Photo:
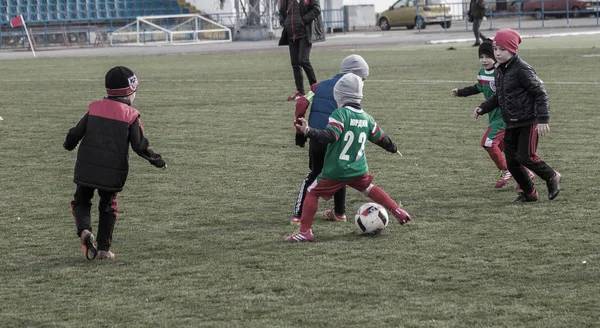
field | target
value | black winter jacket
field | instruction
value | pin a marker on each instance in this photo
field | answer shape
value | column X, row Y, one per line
column 520, row 95
column 107, row 129
column 307, row 19
column 294, row 24
column 477, row 9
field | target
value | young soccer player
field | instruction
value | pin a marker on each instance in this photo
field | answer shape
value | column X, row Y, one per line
column 524, row 105
column 323, row 104
column 493, row 138
column 105, row 132
column 345, row 164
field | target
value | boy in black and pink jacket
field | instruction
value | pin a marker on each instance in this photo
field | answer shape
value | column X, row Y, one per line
column 106, row 131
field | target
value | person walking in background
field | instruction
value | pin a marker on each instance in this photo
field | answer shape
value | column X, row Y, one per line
column 301, row 22
column 322, row 103
column 106, row 131
column 476, row 14
column 523, row 103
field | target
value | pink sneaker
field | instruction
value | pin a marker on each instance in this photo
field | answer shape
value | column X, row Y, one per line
column 295, row 221
column 330, row 216
column 301, row 237
column 531, row 176
column 106, row 255
column 402, row 216
column 504, row 177
column 295, row 96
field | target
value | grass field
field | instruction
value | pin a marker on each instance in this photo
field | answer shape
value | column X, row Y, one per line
column 201, row 244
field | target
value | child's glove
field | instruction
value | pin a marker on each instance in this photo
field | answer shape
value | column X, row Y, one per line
column 301, row 106
column 300, row 139
column 68, row 146
column 158, row 162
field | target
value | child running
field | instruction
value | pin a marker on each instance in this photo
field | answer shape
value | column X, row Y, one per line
column 322, row 103
column 524, row 105
column 345, row 162
column 493, row 138
column 104, row 134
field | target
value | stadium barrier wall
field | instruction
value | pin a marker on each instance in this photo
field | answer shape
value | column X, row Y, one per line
column 81, row 25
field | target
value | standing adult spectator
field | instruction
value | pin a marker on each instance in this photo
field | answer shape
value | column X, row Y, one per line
column 476, row 13
column 301, row 21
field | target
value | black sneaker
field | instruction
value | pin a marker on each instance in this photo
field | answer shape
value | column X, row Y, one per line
column 477, row 44
column 554, row 185
column 524, row 197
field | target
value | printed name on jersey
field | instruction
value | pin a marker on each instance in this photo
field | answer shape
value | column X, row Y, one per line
column 359, row 123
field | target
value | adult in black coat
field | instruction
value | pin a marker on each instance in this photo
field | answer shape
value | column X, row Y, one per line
column 302, row 26
column 476, row 13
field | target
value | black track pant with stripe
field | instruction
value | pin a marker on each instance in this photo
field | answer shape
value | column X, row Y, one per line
column 81, row 207
column 520, row 146
column 317, row 152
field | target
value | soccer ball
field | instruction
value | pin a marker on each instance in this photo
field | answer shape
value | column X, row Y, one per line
column 371, row 219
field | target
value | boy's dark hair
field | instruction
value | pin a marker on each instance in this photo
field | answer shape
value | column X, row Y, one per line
column 487, row 48
column 120, row 81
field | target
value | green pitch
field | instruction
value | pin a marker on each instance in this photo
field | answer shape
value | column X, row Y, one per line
column 201, row 244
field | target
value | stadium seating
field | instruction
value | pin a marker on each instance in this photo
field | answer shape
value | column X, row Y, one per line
column 56, row 11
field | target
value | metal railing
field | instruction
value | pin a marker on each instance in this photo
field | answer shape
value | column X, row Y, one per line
column 334, row 19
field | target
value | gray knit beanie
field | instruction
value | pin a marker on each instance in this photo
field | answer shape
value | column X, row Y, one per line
column 348, row 89
column 355, row 64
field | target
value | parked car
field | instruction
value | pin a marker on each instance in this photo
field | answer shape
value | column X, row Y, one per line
column 576, row 8
column 404, row 13
column 511, row 6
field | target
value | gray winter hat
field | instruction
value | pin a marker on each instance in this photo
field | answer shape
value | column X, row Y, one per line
column 355, row 64
column 348, row 89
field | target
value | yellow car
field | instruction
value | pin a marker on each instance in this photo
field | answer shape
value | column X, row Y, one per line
column 404, row 13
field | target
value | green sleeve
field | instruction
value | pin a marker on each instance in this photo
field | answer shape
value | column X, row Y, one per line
column 375, row 132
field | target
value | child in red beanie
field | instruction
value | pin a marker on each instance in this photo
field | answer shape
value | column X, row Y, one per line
column 524, row 105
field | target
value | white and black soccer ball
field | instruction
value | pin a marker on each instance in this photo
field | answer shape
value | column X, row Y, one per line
column 371, row 219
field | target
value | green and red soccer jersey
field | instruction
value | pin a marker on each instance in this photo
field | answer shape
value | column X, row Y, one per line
column 345, row 158
column 487, row 85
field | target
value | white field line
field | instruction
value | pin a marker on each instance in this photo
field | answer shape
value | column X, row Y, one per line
column 525, row 36
column 473, row 81
column 280, row 81
column 354, row 36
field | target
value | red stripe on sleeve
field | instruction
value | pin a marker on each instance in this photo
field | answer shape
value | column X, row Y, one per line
column 376, row 130
column 336, row 125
